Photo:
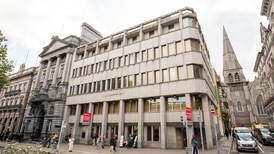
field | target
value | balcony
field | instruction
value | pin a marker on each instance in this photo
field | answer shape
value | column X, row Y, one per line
column 12, row 93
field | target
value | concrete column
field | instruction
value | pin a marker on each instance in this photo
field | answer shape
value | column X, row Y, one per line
column 207, row 122
column 140, row 122
column 189, row 127
column 66, row 72
column 124, row 39
column 121, row 119
column 163, row 122
column 47, row 74
column 56, row 71
column 90, row 110
column 159, row 26
column 66, row 118
column 36, row 86
column 104, row 119
column 181, row 20
column 141, row 32
column 75, row 131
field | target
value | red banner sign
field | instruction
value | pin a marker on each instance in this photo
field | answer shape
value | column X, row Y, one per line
column 87, row 117
column 188, row 114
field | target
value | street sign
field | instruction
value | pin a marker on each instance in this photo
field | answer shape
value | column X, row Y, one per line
column 188, row 113
column 87, row 117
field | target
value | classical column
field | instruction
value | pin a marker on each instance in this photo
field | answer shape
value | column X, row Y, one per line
column 104, row 119
column 55, row 75
column 47, row 74
column 66, row 118
column 163, row 122
column 189, row 128
column 207, row 122
column 38, row 77
column 121, row 119
column 75, row 132
column 140, row 122
column 90, row 110
column 65, row 75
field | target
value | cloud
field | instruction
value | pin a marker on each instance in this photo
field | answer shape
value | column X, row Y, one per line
column 30, row 24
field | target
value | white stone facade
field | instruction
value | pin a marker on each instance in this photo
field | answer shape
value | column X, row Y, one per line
column 139, row 81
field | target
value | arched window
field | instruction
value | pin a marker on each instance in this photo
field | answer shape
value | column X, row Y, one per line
column 239, row 106
column 259, row 105
column 237, row 77
column 230, row 77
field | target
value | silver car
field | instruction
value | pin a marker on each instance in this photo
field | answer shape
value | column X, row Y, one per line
column 246, row 142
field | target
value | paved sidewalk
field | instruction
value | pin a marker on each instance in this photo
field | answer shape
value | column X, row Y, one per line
column 88, row 149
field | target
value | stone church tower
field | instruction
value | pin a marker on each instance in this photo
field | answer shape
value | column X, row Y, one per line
column 236, row 87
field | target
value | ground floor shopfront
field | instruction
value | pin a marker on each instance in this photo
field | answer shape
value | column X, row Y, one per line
column 156, row 121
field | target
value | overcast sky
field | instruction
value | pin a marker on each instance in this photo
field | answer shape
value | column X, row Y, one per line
column 30, row 24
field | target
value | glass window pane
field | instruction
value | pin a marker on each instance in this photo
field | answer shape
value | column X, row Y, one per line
column 171, row 49
column 181, row 72
column 137, row 80
column 150, row 77
column 138, row 58
column 164, row 51
column 165, row 75
column 195, row 45
column 150, row 54
column 147, row 104
column 125, row 82
column 157, row 52
column 157, row 76
column 144, row 55
column 126, row 60
column 149, row 136
column 119, row 82
column 144, row 79
column 121, row 62
column 131, row 81
column 173, row 74
column 179, row 47
column 197, row 70
column 190, row 71
column 188, row 45
column 156, row 133
column 132, row 58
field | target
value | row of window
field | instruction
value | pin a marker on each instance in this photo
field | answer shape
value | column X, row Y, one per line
column 173, row 104
column 137, row 57
column 20, row 86
column 12, row 101
column 51, row 73
column 145, row 78
column 187, row 22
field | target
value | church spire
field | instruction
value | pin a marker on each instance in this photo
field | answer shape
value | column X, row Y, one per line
column 230, row 61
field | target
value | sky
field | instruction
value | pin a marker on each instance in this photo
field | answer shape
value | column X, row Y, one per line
column 29, row 25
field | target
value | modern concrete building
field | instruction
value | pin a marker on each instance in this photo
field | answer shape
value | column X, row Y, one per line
column 14, row 98
column 45, row 110
column 263, row 85
column 236, row 87
column 139, row 81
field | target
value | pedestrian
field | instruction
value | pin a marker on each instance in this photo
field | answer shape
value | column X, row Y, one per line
column 194, row 143
column 54, row 139
column 111, row 143
column 103, row 142
column 71, row 141
column 227, row 134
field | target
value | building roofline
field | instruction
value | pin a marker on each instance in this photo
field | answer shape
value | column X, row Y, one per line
column 258, row 58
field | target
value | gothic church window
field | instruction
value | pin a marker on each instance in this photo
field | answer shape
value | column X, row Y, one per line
column 237, row 77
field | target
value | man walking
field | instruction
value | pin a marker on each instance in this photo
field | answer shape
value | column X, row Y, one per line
column 194, row 143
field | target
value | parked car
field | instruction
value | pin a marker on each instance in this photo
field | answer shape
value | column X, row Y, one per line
column 246, row 142
column 241, row 130
column 264, row 136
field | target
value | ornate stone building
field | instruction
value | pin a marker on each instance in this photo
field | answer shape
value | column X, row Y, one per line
column 14, row 98
column 140, row 80
column 45, row 110
column 263, row 85
column 236, row 87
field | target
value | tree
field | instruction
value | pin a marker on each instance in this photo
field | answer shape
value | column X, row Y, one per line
column 5, row 65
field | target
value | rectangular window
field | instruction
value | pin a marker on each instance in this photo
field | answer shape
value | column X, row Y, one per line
column 121, row 62
column 190, row 73
column 164, row 51
column 152, row 105
column 90, row 87
column 72, row 110
column 108, row 84
column 196, row 102
column 181, row 72
column 119, row 85
column 171, row 49
column 92, row 68
column 157, row 52
column 137, row 57
column 110, row 64
column 151, row 79
column 98, row 108
column 144, row 78
column 157, row 76
column 130, row 80
column 137, row 80
column 165, row 75
column 149, row 133
column 103, row 85
column 198, row 71
column 113, row 83
column 192, row 45
column 126, row 60
column 102, row 66
column 94, row 87
column 113, row 107
column 156, row 133
column 179, row 47
column 105, row 64
column 98, row 86
column 132, row 58
column 125, row 82
column 131, row 106
column 150, row 54
column 175, row 104
column 144, row 55
column 173, row 74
